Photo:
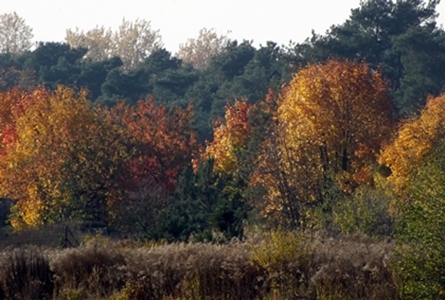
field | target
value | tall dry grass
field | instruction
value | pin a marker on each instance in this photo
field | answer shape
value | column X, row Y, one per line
column 354, row 268
column 274, row 266
column 191, row 271
column 25, row 274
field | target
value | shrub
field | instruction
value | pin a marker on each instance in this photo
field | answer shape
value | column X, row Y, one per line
column 366, row 212
column 420, row 260
column 417, row 161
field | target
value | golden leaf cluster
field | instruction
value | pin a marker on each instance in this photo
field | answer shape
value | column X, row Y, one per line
column 230, row 137
column 414, row 143
column 330, row 124
column 63, row 158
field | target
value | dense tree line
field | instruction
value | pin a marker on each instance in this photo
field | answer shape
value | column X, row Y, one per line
column 398, row 39
column 401, row 39
column 342, row 133
column 239, row 72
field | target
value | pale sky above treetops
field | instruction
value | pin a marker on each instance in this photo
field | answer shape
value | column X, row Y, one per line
column 177, row 20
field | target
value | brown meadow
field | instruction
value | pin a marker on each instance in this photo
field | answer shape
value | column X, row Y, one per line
column 277, row 265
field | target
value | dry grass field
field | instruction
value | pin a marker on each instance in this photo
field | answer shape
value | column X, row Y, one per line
column 277, row 265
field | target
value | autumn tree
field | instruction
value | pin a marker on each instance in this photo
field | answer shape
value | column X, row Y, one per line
column 237, row 138
column 15, row 35
column 63, row 161
column 161, row 138
column 11, row 105
column 199, row 51
column 414, row 144
column 218, row 191
column 329, row 127
column 230, row 137
column 98, row 41
column 401, row 37
column 162, row 143
column 133, row 42
column 341, row 108
column 232, row 155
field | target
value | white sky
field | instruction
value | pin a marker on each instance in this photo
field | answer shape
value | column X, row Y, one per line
column 258, row 20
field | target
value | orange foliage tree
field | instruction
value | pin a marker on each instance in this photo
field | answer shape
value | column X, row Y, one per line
column 162, row 142
column 230, row 137
column 63, row 160
column 161, row 139
column 414, row 144
column 331, row 121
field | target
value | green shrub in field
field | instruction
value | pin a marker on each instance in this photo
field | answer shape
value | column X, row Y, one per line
column 365, row 212
column 73, row 294
column 420, row 262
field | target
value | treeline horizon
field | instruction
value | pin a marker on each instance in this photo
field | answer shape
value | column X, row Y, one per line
column 401, row 39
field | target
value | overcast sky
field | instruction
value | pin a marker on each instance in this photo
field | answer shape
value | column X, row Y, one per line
column 258, row 20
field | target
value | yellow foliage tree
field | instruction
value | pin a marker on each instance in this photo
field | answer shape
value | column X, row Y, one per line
column 64, row 159
column 230, row 137
column 415, row 142
column 331, row 121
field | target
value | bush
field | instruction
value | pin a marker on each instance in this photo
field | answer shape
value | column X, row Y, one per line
column 366, row 212
column 420, row 262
